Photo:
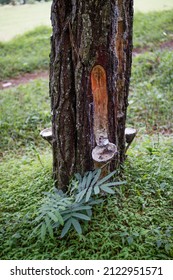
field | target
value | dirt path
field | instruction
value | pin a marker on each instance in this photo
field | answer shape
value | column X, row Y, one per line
column 165, row 45
column 25, row 78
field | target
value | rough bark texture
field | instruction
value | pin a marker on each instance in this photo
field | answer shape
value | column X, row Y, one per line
column 87, row 34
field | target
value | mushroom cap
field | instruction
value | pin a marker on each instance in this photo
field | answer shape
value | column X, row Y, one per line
column 104, row 153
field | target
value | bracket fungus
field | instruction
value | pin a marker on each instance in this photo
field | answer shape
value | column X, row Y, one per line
column 130, row 134
column 46, row 134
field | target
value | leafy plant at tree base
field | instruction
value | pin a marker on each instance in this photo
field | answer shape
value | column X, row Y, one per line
column 70, row 209
column 89, row 184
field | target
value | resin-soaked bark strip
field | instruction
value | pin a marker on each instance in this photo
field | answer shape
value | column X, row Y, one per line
column 100, row 97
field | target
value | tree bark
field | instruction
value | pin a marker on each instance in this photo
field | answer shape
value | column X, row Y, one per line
column 91, row 52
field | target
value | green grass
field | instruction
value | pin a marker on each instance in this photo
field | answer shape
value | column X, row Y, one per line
column 136, row 223
column 16, row 20
column 30, row 52
column 133, row 224
column 25, row 112
column 153, row 28
column 151, row 96
column 25, row 53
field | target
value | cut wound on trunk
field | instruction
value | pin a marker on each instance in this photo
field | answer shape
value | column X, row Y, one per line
column 100, row 98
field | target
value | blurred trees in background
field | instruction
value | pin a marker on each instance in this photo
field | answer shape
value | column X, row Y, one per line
column 21, row 2
column 4, row 2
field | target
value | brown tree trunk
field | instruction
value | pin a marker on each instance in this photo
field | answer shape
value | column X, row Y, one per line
column 91, row 50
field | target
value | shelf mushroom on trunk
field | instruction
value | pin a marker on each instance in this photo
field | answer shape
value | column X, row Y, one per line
column 46, row 134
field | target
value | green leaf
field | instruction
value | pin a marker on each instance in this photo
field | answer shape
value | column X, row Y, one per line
column 45, row 208
column 49, row 226
column 59, row 217
column 38, row 218
column 159, row 243
column 80, row 195
column 78, row 177
column 66, row 227
column 89, row 212
column 53, row 217
column 111, row 184
column 83, row 183
column 167, row 247
column 107, row 189
column 96, row 171
column 120, row 183
column 96, row 190
column 81, row 208
column 35, row 231
column 67, row 216
column 130, row 240
column 106, row 178
column 81, row 216
column 76, row 225
column 43, row 231
column 89, row 179
column 96, row 175
column 88, row 195
column 96, row 202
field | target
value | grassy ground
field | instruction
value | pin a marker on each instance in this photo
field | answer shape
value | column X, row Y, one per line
column 31, row 50
column 25, row 53
column 153, row 28
column 136, row 223
column 24, row 120
column 15, row 20
column 151, row 91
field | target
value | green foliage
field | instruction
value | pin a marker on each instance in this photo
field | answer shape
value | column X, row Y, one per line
column 152, row 28
column 5, row 2
column 22, row 18
column 89, row 185
column 30, row 51
column 136, row 223
column 133, row 224
column 25, row 53
column 151, row 96
column 25, row 112
column 59, row 209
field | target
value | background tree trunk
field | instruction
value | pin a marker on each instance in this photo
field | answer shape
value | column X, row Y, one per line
column 88, row 34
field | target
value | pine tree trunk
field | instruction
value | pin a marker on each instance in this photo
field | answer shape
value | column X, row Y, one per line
column 90, row 65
